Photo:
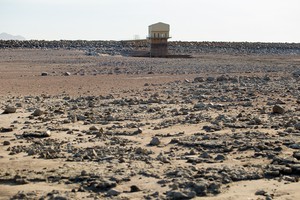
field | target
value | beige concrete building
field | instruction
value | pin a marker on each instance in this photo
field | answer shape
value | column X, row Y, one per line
column 158, row 36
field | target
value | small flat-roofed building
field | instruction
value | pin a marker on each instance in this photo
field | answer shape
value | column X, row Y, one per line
column 158, row 36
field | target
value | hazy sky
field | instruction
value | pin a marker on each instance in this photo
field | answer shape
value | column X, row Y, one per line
column 197, row 20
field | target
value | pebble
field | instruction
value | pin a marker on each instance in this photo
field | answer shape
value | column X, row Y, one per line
column 44, row 74
column 155, row 141
column 67, row 74
column 9, row 110
column 38, row 112
column 113, row 192
column 93, row 128
column 261, row 192
column 37, row 134
column 277, row 109
column 220, row 157
column 297, row 126
column 5, row 130
column 296, row 155
column 134, row 188
column 199, row 79
column 177, row 195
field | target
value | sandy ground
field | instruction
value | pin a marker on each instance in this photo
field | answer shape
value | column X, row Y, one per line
column 145, row 93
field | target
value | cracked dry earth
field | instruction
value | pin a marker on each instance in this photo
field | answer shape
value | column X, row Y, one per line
column 215, row 127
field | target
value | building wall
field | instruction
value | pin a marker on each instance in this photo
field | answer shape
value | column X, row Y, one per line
column 159, row 47
column 158, row 34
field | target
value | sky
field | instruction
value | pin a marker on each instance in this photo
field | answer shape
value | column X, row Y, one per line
column 190, row 20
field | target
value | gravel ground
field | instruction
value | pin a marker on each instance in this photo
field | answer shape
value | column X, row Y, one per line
column 222, row 125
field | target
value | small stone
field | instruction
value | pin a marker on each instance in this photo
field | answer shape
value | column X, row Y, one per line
column 138, row 131
column 113, row 192
column 200, row 106
column 210, row 79
column 204, row 155
column 200, row 188
column 279, row 101
column 220, row 157
column 278, row 109
column 140, row 150
column 269, row 197
column 44, row 74
column 222, row 78
column 177, row 195
column 37, row 134
column 9, row 110
column 134, row 188
column 67, row 74
column 5, row 130
column 84, row 173
column 19, row 105
column 155, row 141
column 198, row 79
column 5, row 143
column 296, row 155
column 31, row 152
column 295, row 146
column 38, row 112
column 93, row 128
column 296, row 73
column 260, row 192
column 47, row 133
column 297, row 126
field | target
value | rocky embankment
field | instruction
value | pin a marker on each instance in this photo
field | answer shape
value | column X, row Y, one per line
column 175, row 47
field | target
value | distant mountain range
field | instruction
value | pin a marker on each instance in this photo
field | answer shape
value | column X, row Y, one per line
column 6, row 36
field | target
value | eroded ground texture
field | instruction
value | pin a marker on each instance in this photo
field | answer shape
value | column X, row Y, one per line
column 85, row 123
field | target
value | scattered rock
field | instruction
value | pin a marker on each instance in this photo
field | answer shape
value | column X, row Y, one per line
column 67, row 74
column 261, row 192
column 113, row 192
column 38, row 112
column 37, row 134
column 296, row 155
column 176, row 195
column 155, row 141
column 278, row 109
column 297, row 126
column 6, row 130
column 9, row 110
column 210, row 79
column 93, row 128
column 134, row 188
column 296, row 74
column 220, row 157
column 199, row 79
column 138, row 131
